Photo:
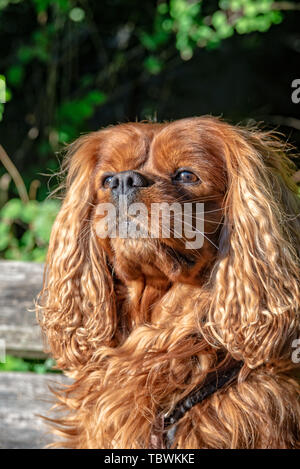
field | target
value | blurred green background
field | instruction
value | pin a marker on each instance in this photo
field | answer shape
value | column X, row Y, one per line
column 68, row 67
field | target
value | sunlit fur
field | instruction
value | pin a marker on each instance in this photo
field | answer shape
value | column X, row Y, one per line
column 135, row 343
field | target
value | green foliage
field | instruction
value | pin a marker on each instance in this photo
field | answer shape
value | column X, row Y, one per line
column 68, row 119
column 5, row 95
column 19, row 364
column 71, row 114
column 43, row 5
column 15, row 75
column 77, row 14
column 5, row 3
column 51, row 49
column 193, row 29
column 153, row 64
column 2, row 89
column 25, row 229
column 2, row 95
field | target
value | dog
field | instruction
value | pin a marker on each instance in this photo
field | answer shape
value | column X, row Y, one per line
column 173, row 343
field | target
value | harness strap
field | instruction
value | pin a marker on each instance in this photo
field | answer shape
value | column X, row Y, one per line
column 164, row 431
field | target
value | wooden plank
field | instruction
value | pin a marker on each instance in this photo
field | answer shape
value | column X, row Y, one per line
column 22, row 397
column 23, row 342
column 20, row 283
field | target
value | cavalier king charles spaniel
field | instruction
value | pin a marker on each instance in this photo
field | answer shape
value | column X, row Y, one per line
column 170, row 343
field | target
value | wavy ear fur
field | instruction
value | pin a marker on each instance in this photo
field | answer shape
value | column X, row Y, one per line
column 77, row 306
column 254, row 304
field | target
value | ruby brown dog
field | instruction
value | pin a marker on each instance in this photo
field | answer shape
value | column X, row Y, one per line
column 170, row 346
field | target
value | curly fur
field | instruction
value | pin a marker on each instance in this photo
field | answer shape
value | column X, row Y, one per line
column 137, row 342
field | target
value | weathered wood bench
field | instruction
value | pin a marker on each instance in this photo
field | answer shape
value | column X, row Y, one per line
column 20, row 283
column 22, row 395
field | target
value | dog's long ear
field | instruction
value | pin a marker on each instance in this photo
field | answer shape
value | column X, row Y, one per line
column 76, row 306
column 254, row 308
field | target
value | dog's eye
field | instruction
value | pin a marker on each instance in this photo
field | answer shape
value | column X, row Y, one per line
column 106, row 180
column 185, row 177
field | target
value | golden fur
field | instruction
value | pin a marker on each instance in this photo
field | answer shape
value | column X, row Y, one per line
column 140, row 323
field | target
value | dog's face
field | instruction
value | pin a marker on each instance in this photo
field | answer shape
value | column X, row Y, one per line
column 169, row 181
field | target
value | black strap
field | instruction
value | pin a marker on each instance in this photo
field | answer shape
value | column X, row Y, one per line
column 215, row 381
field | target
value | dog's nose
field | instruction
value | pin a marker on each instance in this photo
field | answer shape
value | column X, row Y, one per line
column 127, row 182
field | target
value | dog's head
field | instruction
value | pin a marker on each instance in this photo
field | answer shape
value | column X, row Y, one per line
column 159, row 191
column 195, row 202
